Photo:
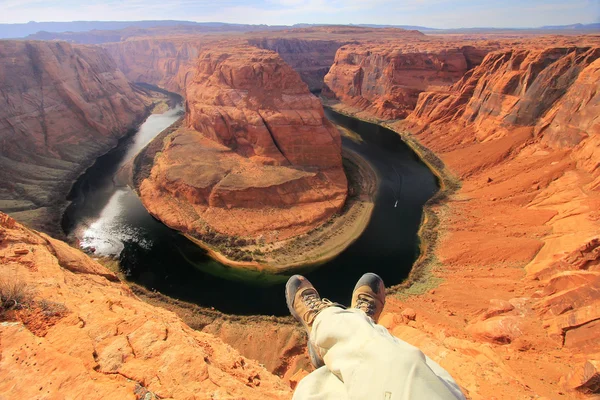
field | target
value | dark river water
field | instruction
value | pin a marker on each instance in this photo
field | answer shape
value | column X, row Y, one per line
column 110, row 218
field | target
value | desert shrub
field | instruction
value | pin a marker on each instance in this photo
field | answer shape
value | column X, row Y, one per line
column 52, row 308
column 13, row 294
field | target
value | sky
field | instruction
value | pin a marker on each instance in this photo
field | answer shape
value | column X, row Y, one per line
column 430, row 13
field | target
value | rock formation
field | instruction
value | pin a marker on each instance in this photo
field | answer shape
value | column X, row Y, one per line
column 257, row 158
column 386, row 79
column 518, row 88
column 75, row 331
column 312, row 59
column 61, row 107
column 164, row 62
column 521, row 131
column 167, row 57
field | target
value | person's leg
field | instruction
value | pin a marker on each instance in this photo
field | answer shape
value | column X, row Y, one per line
column 320, row 384
column 372, row 363
column 305, row 304
column 363, row 356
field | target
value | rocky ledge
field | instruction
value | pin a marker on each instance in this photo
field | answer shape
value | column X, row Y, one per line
column 70, row 329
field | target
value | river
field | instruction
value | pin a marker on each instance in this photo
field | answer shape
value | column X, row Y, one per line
column 108, row 217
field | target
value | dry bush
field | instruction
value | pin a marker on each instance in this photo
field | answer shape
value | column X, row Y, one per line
column 52, row 308
column 13, row 294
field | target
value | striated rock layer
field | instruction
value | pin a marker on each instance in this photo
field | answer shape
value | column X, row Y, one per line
column 164, row 62
column 77, row 332
column 169, row 60
column 522, row 132
column 518, row 133
column 61, row 106
column 386, row 79
column 312, row 59
column 257, row 158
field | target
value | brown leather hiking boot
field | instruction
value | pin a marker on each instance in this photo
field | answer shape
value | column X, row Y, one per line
column 369, row 295
column 304, row 301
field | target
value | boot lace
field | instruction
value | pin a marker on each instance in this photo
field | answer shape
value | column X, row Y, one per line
column 366, row 304
column 314, row 304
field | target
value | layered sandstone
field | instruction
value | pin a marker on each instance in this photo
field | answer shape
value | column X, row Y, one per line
column 77, row 332
column 383, row 78
column 523, row 88
column 257, row 159
column 61, row 106
column 312, row 59
column 167, row 57
column 164, row 62
column 386, row 79
column 521, row 131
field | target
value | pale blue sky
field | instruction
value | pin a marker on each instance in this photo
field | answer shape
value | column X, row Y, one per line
column 432, row 13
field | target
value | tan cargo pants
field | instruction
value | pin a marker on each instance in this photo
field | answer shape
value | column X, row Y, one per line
column 364, row 361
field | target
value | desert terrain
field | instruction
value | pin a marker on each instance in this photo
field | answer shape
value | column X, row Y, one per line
column 504, row 294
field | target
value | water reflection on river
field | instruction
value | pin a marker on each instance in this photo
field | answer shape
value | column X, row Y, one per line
column 100, row 213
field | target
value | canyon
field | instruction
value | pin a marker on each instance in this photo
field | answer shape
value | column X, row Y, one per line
column 521, row 229
column 506, row 299
column 164, row 62
column 62, row 106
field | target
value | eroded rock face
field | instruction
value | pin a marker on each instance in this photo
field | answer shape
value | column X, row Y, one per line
column 258, row 158
column 312, row 59
column 521, row 131
column 387, row 79
column 61, row 107
column 534, row 88
column 586, row 379
column 167, row 63
column 81, row 335
column 550, row 99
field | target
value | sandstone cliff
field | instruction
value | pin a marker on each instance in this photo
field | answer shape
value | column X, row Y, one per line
column 312, row 59
column 164, row 62
column 170, row 61
column 257, row 158
column 167, row 58
column 386, row 79
column 61, row 107
column 521, row 131
column 72, row 330
column 522, row 88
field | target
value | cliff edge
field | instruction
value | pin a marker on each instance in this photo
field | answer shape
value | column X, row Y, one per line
column 70, row 329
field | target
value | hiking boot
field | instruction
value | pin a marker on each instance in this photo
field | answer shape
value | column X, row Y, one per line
column 369, row 295
column 304, row 301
